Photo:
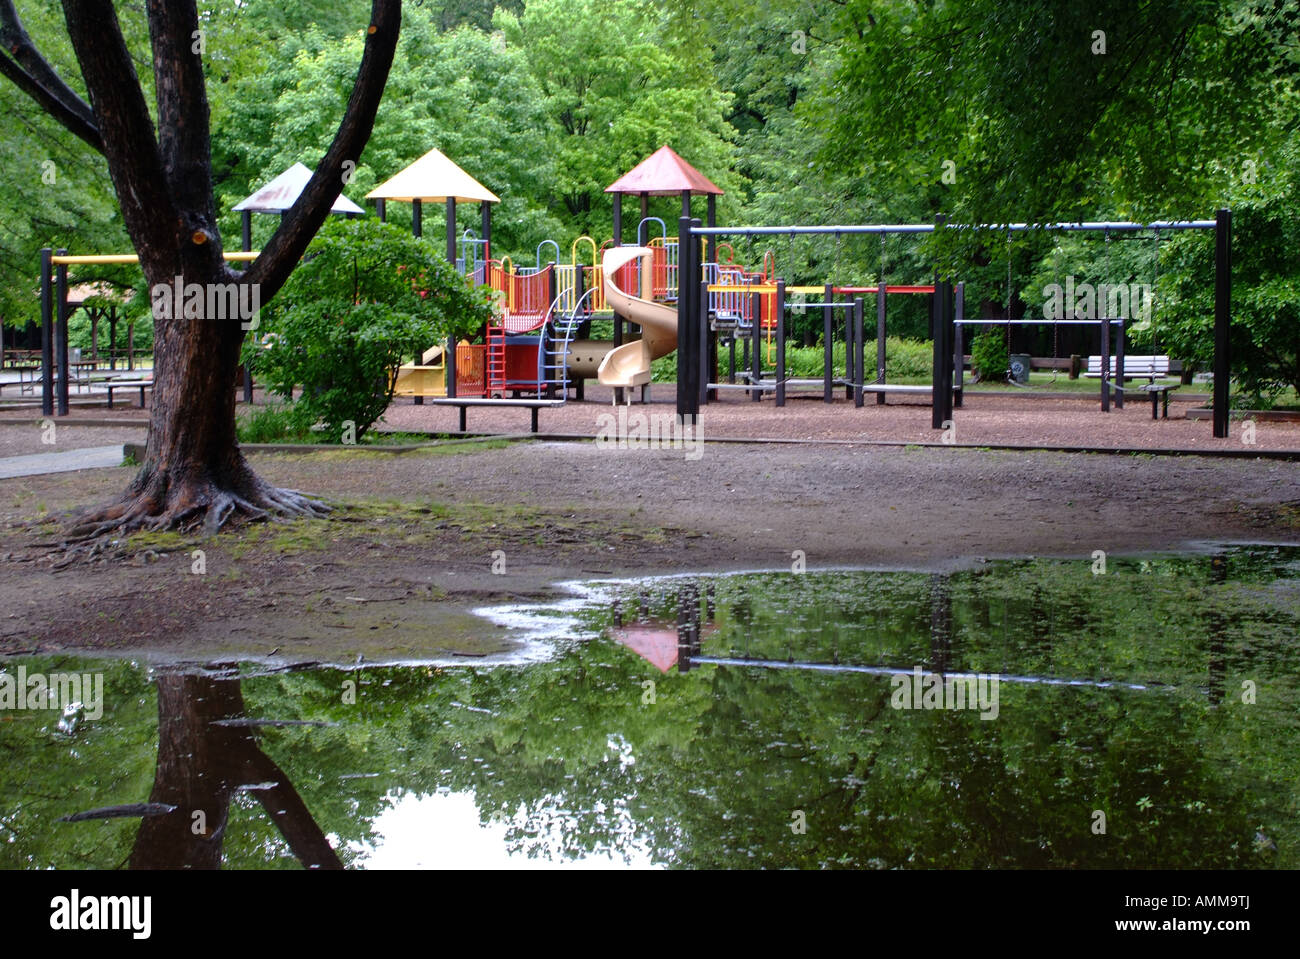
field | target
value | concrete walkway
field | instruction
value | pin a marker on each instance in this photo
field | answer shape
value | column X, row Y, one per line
column 93, row 457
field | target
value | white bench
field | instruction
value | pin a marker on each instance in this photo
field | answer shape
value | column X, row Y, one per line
column 1148, row 366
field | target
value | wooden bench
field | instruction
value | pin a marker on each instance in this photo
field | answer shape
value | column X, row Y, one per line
column 1134, row 366
column 464, row 403
column 117, row 384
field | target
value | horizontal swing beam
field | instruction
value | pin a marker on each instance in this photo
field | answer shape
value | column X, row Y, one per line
column 888, row 289
column 771, row 288
column 1038, row 322
column 1120, row 226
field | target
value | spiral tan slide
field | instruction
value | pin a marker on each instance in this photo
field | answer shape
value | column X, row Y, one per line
column 629, row 364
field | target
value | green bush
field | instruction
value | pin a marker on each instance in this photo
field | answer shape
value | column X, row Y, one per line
column 277, row 423
column 904, row 360
column 367, row 296
column 989, row 360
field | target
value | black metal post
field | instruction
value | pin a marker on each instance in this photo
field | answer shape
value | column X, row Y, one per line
column 828, row 296
column 880, row 338
column 618, row 219
column 417, row 221
column 451, row 229
column 381, row 207
column 47, row 334
column 1105, row 366
column 958, row 350
column 1222, row 318
column 780, row 336
column 687, row 318
column 706, row 355
column 939, row 380
column 61, row 333
column 246, row 229
column 485, row 216
column 860, row 347
column 712, row 214
column 850, row 351
column 449, row 349
column 1119, row 365
column 756, row 333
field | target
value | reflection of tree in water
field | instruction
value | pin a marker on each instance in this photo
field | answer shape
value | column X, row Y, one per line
column 202, row 764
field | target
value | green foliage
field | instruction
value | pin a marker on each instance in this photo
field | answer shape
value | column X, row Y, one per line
column 276, row 423
column 988, row 355
column 464, row 91
column 1265, row 334
column 905, row 360
column 1037, row 119
column 614, row 88
column 366, row 297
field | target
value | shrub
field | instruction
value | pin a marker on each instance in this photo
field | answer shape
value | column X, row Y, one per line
column 989, row 359
column 366, row 297
column 274, row 424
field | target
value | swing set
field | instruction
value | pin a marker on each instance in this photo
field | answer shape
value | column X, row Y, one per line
column 693, row 386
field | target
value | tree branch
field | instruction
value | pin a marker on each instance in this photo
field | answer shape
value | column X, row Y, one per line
column 287, row 246
column 124, row 122
column 22, row 63
column 183, row 116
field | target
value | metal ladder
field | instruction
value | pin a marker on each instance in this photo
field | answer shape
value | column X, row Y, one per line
column 553, row 352
column 495, row 372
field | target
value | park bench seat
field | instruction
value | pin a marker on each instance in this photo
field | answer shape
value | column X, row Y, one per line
column 118, row 384
column 464, row 403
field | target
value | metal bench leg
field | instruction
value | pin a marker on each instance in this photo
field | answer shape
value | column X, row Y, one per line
column 110, row 397
column 462, row 419
column 142, row 397
column 535, row 410
column 1155, row 402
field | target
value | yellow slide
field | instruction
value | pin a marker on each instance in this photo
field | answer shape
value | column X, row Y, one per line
column 629, row 364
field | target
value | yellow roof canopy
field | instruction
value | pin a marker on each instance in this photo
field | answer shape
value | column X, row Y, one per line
column 433, row 179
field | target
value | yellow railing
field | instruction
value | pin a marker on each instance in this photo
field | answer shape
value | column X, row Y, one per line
column 103, row 258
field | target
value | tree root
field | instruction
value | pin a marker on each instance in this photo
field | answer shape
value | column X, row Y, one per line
column 191, row 506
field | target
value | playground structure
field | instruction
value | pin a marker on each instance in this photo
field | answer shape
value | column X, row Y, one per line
column 682, row 293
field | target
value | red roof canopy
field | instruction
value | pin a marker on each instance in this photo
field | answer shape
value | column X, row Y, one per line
column 663, row 173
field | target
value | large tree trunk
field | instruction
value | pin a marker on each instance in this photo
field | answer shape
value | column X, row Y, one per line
column 193, row 471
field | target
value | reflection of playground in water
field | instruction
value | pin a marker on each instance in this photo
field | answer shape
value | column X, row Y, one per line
column 665, row 644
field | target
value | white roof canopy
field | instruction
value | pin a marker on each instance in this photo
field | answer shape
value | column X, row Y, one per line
column 433, row 178
column 282, row 192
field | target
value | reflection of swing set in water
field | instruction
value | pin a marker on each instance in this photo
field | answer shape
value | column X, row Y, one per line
column 664, row 644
